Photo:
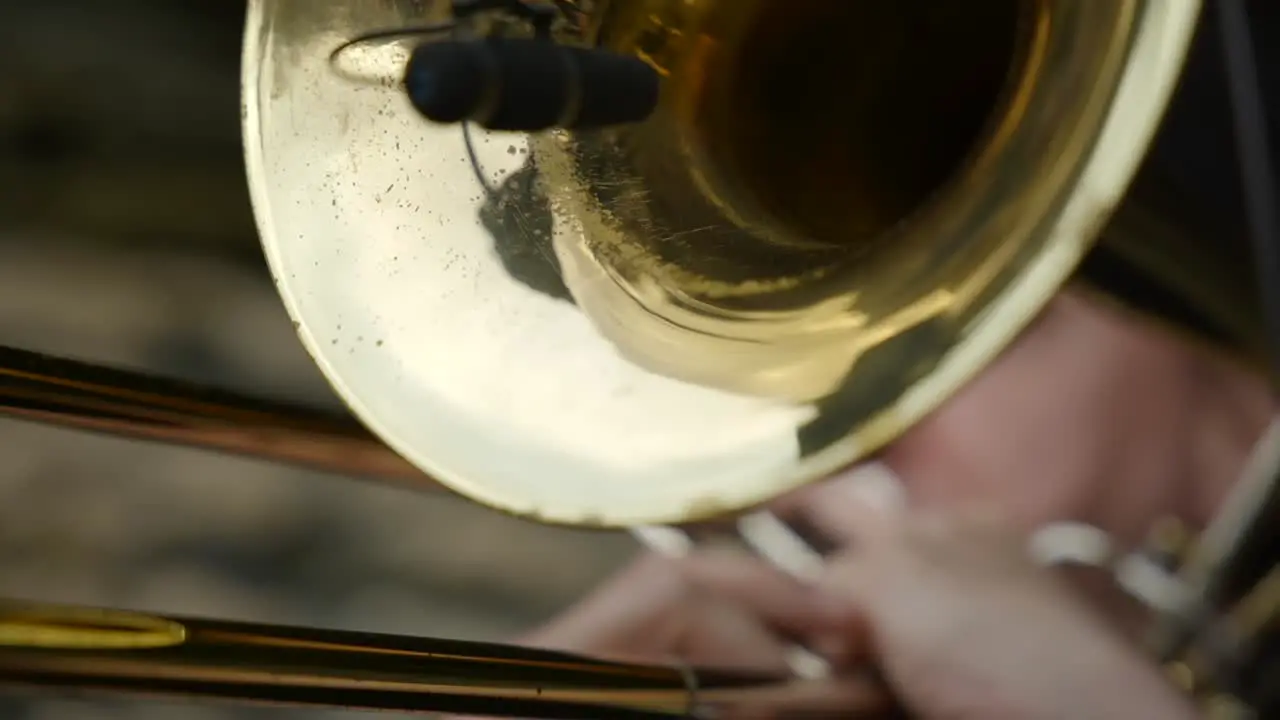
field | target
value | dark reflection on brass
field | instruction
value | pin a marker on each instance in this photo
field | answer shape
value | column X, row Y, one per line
column 916, row 100
column 518, row 218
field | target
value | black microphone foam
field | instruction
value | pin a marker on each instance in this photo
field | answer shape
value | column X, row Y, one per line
column 528, row 85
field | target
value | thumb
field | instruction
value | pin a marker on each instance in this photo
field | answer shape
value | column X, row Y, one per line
column 860, row 506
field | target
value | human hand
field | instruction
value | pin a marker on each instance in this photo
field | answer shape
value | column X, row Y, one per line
column 1089, row 417
column 964, row 624
column 1095, row 416
column 719, row 609
column 951, row 610
column 716, row 607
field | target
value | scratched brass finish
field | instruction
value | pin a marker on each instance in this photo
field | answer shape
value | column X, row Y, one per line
column 840, row 212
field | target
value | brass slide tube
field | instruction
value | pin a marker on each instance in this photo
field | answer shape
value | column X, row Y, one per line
column 73, row 648
column 68, row 648
column 76, row 394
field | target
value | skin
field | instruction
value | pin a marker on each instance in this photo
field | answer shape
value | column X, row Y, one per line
column 927, row 598
column 1092, row 416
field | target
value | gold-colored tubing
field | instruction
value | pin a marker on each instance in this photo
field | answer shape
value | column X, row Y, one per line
column 80, row 395
column 39, row 387
column 65, row 647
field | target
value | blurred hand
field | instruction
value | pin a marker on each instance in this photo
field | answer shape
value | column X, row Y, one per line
column 963, row 623
column 1091, row 416
column 950, row 609
column 716, row 607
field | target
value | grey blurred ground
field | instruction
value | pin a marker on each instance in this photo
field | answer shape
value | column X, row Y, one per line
column 125, row 237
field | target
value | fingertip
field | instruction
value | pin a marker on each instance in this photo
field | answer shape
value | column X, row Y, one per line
column 875, row 485
column 779, row 600
column 857, row 504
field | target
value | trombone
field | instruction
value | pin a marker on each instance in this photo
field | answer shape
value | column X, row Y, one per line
column 44, row 646
column 677, row 319
column 65, row 648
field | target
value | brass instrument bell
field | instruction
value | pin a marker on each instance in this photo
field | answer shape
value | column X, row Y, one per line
column 837, row 215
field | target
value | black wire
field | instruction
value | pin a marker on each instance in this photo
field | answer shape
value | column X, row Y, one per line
column 1254, row 155
column 464, row 10
column 542, row 27
column 1252, row 552
column 489, row 190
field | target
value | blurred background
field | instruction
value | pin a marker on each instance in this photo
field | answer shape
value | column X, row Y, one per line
column 126, row 237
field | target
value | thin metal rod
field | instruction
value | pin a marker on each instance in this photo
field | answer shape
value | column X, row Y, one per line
column 1225, row 561
column 39, row 387
column 1253, row 154
column 62, row 647
column 1235, row 551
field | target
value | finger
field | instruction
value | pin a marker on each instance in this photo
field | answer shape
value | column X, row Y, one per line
column 722, row 634
column 655, row 611
column 645, row 597
column 779, row 599
column 878, row 485
column 860, row 505
column 650, row 602
column 846, row 575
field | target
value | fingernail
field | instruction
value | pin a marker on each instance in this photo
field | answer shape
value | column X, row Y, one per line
column 873, row 484
column 1070, row 543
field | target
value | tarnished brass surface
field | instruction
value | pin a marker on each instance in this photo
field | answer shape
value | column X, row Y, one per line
column 840, row 213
